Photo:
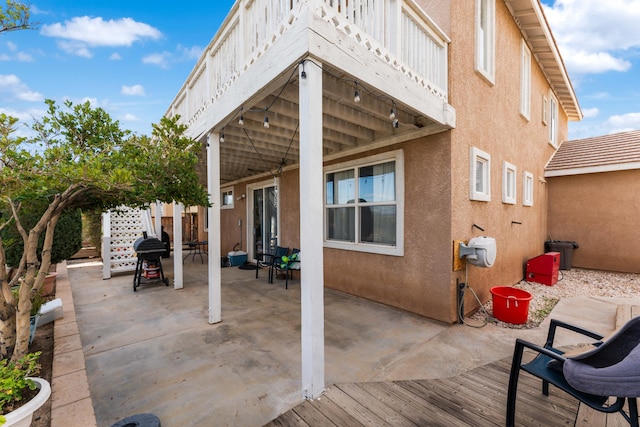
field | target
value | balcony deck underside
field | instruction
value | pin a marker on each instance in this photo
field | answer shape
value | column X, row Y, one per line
column 269, row 87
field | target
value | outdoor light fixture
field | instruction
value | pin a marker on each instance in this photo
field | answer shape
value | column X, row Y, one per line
column 241, row 119
column 392, row 114
column 396, row 123
column 221, row 137
column 303, row 73
column 266, row 121
column 356, row 95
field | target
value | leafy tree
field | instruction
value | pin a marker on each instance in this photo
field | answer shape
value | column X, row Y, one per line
column 15, row 16
column 81, row 159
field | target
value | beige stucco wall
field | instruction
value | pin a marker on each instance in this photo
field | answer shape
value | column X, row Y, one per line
column 488, row 117
column 437, row 168
column 600, row 212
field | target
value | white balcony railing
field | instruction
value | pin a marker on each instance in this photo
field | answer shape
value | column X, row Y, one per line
column 397, row 31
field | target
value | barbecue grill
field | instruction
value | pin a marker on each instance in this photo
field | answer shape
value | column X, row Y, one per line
column 149, row 251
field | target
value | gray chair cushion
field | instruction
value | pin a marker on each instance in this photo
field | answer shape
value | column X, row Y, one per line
column 612, row 369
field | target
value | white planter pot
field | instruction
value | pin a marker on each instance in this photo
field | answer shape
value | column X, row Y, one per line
column 22, row 416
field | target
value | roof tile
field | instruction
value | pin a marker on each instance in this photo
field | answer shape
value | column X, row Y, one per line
column 611, row 150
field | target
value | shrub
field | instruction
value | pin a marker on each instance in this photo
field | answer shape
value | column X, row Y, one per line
column 67, row 238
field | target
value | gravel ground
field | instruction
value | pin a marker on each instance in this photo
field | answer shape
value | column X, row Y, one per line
column 571, row 283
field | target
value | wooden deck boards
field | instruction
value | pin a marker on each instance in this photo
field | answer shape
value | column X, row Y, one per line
column 475, row 398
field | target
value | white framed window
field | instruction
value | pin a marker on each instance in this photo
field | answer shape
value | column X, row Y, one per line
column 527, row 189
column 544, row 109
column 485, row 38
column 508, row 183
column 525, row 80
column 553, row 120
column 226, row 194
column 480, row 176
column 364, row 204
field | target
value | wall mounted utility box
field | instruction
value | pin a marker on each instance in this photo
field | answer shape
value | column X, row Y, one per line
column 544, row 269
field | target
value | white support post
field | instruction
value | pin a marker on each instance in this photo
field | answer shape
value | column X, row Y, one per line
column 178, row 279
column 157, row 223
column 311, row 214
column 213, row 186
column 106, row 245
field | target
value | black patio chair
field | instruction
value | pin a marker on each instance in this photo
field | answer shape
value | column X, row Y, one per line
column 267, row 259
column 287, row 265
column 611, row 368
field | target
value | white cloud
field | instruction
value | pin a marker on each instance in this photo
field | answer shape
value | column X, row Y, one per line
column 81, row 33
column 159, row 59
column 24, row 57
column 190, row 53
column 17, row 55
column 75, row 48
column 97, row 32
column 136, row 90
column 115, row 57
column 593, row 62
column 130, row 118
column 589, row 113
column 595, row 36
column 623, row 122
column 14, row 88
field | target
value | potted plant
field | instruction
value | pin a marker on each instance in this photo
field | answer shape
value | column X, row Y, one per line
column 49, row 287
column 21, row 394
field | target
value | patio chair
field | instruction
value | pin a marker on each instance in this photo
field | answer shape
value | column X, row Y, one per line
column 609, row 368
column 268, row 259
column 287, row 265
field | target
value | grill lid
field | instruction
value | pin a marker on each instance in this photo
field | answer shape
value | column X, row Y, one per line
column 148, row 245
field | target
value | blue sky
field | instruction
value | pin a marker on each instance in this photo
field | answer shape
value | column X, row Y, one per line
column 131, row 57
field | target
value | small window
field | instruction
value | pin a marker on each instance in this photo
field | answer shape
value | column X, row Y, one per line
column 527, row 189
column 480, row 175
column 485, row 38
column 553, row 121
column 525, row 80
column 508, row 183
column 227, row 198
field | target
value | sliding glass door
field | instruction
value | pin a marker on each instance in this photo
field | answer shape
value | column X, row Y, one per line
column 264, row 218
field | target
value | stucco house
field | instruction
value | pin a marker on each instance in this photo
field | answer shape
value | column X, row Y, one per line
column 594, row 185
column 375, row 135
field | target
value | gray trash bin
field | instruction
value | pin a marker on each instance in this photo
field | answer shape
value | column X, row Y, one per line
column 565, row 248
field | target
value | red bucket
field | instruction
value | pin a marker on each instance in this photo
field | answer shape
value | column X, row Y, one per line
column 510, row 305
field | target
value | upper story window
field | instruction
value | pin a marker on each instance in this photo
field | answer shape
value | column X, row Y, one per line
column 364, row 204
column 485, row 38
column 553, row 120
column 527, row 189
column 525, row 80
column 480, row 175
column 508, row 183
column 226, row 194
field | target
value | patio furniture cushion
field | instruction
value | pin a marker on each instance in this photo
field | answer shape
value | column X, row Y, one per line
column 611, row 369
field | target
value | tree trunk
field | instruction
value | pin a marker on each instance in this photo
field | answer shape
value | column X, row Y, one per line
column 34, row 277
column 7, row 330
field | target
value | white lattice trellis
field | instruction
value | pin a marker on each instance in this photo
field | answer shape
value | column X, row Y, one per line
column 120, row 229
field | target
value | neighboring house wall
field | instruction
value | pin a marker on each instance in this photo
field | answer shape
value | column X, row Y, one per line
column 600, row 212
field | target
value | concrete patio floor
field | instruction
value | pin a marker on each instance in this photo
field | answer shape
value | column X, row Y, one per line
column 153, row 350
